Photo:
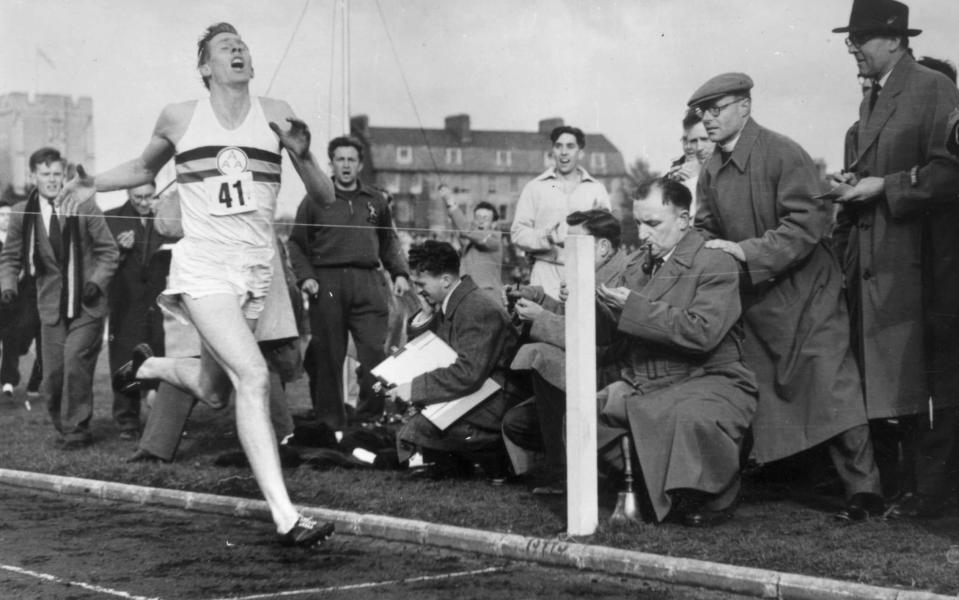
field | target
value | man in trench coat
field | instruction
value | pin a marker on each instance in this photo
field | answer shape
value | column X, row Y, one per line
column 759, row 197
column 684, row 396
column 899, row 246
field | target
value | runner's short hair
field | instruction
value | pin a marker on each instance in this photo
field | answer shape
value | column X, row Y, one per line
column 203, row 45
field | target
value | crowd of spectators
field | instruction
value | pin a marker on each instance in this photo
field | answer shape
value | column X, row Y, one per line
column 766, row 312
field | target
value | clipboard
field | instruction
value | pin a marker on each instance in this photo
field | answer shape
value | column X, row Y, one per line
column 421, row 355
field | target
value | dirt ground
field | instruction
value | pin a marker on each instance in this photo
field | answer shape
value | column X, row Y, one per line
column 65, row 548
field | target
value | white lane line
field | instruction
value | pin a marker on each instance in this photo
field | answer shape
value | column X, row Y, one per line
column 86, row 586
column 360, row 586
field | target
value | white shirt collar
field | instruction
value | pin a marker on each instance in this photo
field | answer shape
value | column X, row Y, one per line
column 885, row 78
column 552, row 174
column 446, row 300
column 731, row 144
column 46, row 211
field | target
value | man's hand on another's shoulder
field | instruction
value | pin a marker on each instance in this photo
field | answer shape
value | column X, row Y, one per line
column 731, row 248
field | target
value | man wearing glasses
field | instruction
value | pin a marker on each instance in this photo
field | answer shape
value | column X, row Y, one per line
column 134, row 317
column 897, row 241
column 759, row 197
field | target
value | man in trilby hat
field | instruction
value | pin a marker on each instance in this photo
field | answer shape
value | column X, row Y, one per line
column 897, row 243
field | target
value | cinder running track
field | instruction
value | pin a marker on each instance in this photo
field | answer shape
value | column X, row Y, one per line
column 56, row 547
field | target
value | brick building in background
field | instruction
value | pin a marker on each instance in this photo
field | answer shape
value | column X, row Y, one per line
column 28, row 123
column 477, row 164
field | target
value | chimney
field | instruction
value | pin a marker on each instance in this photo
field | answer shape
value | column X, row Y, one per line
column 459, row 127
column 360, row 127
column 546, row 126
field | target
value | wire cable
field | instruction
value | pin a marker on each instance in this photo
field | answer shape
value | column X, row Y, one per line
column 289, row 44
column 409, row 93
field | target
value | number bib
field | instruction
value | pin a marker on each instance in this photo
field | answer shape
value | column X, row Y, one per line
column 230, row 194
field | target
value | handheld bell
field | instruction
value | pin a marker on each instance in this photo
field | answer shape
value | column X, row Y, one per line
column 626, row 510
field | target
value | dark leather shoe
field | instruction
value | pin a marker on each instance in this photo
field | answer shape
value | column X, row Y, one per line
column 691, row 508
column 860, row 507
column 916, row 506
column 125, row 378
column 306, row 533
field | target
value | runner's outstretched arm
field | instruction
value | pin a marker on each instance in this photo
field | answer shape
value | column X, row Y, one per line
column 139, row 171
column 296, row 140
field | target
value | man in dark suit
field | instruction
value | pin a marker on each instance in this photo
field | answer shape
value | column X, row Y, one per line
column 74, row 259
column 134, row 316
column 478, row 329
column 898, row 244
column 685, row 395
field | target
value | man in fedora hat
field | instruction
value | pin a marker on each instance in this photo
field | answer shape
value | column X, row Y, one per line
column 759, row 196
column 896, row 240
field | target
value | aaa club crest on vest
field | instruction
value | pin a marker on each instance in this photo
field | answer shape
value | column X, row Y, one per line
column 232, row 192
column 232, row 161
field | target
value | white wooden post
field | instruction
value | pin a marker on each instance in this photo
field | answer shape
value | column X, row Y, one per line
column 582, row 507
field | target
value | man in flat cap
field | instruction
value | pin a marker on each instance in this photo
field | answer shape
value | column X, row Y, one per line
column 759, row 197
column 898, row 244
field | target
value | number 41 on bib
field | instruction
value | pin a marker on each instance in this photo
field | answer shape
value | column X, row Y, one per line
column 230, row 194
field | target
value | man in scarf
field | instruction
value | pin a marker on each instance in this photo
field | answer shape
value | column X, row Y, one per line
column 73, row 259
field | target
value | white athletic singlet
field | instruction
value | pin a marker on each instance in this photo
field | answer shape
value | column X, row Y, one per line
column 228, row 180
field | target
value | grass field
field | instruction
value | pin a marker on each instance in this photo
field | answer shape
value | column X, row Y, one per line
column 782, row 526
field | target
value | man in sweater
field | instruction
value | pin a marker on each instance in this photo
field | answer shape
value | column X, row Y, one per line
column 336, row 250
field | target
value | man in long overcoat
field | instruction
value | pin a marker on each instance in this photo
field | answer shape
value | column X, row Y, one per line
column 759, row 197
column 685, row 395
column 899, row 244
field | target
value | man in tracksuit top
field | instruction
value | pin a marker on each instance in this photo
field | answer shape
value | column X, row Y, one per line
column 336, row 250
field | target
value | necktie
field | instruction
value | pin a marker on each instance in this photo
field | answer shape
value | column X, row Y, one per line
column 724, row 155
column 652, row 265
column 874, row 94
column 56, row 241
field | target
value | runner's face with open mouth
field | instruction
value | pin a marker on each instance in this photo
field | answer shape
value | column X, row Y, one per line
column 229, row 60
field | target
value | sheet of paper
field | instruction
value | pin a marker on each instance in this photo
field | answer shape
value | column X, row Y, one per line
column 445, row 414
column 420, row 355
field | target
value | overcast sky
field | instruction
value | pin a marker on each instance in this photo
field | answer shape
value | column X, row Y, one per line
column 624, row 68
